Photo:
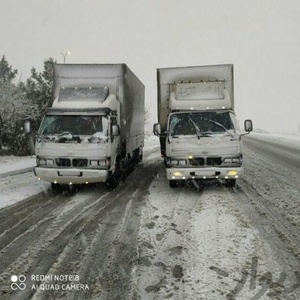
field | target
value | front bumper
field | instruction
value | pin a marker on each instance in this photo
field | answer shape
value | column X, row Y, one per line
column 204, row 173
column 71, row 176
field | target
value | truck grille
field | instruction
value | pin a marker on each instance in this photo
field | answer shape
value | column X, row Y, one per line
column 214, row 161
column 76, row 162
column 197, row 161
column 80, row 162
column 205, row 161
column 63, row 162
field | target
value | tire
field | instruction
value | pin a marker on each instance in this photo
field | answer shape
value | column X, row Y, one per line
column 112, row 182
column 230, row 182
column 173, row 183
column 55, row 186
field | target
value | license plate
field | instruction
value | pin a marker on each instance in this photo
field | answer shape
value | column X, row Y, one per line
column 205, row 173
column 69, row 173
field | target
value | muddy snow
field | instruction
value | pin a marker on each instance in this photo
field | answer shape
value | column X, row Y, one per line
column 145, row 240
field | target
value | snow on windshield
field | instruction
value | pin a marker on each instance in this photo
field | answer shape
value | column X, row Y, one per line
column 201, row 122
column 75, row 125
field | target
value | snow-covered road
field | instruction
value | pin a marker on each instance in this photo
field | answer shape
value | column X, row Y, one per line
column 144, row 240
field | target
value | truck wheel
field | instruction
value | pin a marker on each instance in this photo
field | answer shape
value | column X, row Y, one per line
column 55, row 186
column 112, row 182
column 173, row 183
column 230, row 182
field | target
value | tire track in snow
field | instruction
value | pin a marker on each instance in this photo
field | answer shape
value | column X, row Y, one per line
column 204, row 256
column 40, row 244
column 108, row 262
column 162, row 242
column 22, row 209
column 274, row 192
column 273, row 225
column 25, row 216
column 82, row 235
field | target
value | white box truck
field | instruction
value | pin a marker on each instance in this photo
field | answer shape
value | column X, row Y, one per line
column 94, row 131
column 199, row 133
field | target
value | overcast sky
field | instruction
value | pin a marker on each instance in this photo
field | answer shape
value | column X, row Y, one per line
column 260, row 37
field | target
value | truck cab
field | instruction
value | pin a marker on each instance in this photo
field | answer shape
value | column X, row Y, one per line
column 78, row 143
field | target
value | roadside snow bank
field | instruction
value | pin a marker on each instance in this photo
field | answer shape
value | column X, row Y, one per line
column 17, row 181
column 10, row 165
column 19, row 187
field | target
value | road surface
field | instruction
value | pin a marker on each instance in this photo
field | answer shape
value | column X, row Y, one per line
column 144, row 240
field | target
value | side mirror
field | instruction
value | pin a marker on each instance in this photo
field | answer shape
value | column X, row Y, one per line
column 156, row 129
column 27, row 127
column 248, row 125
column 115, row 130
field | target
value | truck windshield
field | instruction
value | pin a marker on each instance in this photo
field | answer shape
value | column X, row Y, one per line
column 74, row 124
column 201, row 123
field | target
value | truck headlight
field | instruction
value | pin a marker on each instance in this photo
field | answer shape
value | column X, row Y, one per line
column 42, row 161
column 100, row 163
column 236, row 160
column 50, row 161
column 176, row 162
column 233, row 160
column 104, row 162
column 94, row 163
column 45, row 161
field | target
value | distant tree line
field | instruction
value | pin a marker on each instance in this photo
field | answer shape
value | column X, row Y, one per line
column 22, row 101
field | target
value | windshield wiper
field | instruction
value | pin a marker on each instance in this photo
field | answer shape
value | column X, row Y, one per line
column 198, row 131
column 222, row 126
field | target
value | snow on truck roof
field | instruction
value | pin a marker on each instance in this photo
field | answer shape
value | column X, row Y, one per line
column 97, row 100
column 89, row 93
column 75, row 111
